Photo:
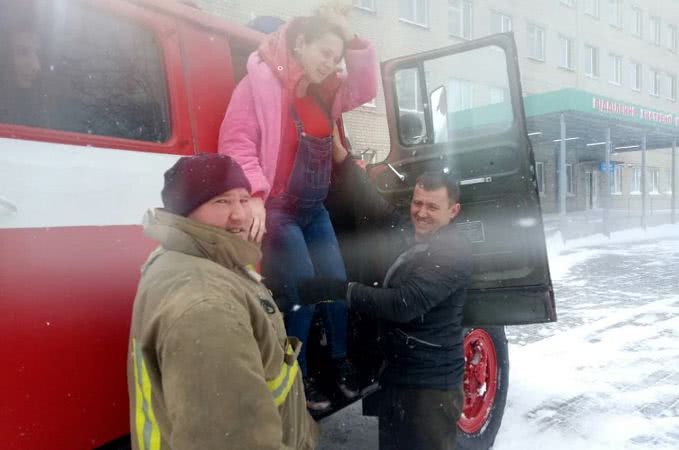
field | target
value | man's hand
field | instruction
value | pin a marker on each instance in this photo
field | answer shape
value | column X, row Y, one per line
column 339, row 152
column 318, row 290
column 258, row 227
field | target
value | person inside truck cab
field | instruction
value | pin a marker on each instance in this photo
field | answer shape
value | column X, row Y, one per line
column 20, row 74
column 209, row 363
column 411, row 128
column 420, row 302
column 278, row 127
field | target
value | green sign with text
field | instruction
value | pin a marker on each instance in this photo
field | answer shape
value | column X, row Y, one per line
column 581, row 101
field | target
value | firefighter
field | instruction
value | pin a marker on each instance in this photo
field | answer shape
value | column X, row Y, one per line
column 209, row 363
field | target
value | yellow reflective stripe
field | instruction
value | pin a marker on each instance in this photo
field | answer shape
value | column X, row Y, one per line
column 139, row 400
column 148, row 433
column 281, row 385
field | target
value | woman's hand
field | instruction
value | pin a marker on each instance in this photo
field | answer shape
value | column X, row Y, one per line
column 258, row 227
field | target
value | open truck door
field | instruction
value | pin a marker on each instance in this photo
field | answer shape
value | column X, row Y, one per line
column 459, row 110
column 472, row 125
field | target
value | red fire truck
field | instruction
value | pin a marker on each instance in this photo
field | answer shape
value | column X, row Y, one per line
column 108, row 94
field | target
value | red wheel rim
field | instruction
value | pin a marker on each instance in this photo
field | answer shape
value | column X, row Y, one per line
column 480, row 380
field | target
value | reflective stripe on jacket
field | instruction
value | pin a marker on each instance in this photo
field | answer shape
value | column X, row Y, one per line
column 209, row 363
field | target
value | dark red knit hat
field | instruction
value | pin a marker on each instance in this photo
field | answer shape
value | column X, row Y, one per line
column 193, row 180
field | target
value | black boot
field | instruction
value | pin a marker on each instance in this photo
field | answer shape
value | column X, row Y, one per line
column 347, row 378
column 315, row 400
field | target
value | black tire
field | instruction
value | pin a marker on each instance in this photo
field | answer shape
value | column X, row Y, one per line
column 484, row 438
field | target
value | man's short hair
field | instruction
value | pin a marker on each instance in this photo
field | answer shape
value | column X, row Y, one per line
column 434, row 180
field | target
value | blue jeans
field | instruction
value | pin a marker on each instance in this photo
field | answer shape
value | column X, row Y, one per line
column 299, row 245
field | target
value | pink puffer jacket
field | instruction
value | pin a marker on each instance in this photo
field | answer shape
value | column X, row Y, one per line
column 251, row 132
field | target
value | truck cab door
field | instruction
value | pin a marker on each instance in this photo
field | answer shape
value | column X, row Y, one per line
column 459, row 110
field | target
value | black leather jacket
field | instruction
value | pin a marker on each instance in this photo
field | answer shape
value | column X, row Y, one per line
column 422, row 302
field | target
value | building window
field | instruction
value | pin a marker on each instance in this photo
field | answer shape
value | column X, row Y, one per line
column 569, row 179
column 460, row 18
column 368, row 5
column 415, row 11
column 408, row 90
column 615, row 69
column 672, row 38
column 636, row 181
column 615, row 13
column 540, row 175
column 635, row 76
column 654, row 82
column 655, row 181
column 536, row 37
column 497, row 95
column 461, row 95
column 501, row 23
column 671, row 87
column 668, row 182
column 617, row 179
column 570, row 3
column 591, row 61
column 592, row 8
column 566, row 53
column 655, row 30
column 637, row 22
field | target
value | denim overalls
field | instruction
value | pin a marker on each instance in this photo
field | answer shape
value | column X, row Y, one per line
column 301, row 243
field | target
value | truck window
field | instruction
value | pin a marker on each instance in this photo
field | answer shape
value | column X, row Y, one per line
column 462, row 103
column 70, row 67
column 411, row 109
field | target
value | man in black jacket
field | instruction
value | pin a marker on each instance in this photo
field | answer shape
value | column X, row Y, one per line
column 421, row 301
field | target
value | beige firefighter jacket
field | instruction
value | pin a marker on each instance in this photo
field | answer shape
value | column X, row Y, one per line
column 209, row 363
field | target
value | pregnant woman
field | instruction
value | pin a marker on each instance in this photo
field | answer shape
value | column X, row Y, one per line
column 279, row 128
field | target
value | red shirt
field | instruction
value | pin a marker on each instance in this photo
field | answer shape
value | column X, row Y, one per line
column 315, row 122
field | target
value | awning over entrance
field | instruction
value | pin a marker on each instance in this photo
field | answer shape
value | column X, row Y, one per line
column 596, row 127
column 588, row 116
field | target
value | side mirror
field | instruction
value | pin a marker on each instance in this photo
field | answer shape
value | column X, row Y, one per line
column 438, row 100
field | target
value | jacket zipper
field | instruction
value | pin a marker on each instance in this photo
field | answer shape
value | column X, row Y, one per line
column 409, row 337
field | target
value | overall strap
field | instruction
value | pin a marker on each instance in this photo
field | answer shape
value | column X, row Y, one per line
column 295, row 118
column 324, row 107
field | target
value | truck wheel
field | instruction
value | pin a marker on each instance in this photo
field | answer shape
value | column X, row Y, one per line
column 486, row 380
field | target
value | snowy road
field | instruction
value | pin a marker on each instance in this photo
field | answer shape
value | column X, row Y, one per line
column 606, row 375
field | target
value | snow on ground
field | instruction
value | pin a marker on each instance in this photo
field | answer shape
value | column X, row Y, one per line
column 606, row 374
column 611, row 384
column 562, row 255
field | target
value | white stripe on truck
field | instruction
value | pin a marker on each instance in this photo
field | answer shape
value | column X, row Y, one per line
column 44, row 184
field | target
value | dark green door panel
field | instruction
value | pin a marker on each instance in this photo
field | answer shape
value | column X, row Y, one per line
column 469, row 103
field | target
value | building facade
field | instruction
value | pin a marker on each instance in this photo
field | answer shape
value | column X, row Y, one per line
column 623, row 53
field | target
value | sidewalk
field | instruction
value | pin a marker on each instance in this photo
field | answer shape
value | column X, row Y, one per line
column 577, row 224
